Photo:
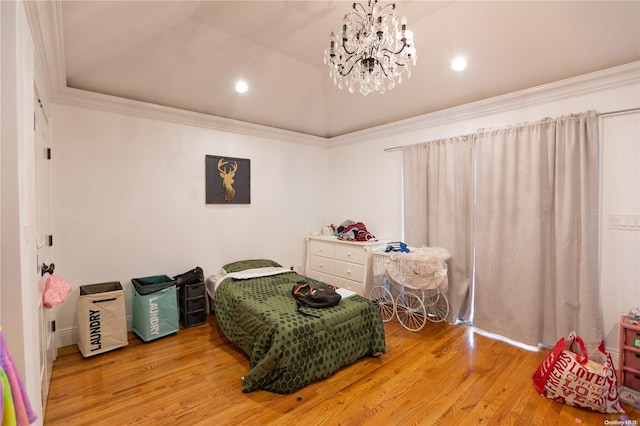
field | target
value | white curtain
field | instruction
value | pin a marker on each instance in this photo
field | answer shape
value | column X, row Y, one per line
column 438, row 185
column 533, row 226
column 537, row 231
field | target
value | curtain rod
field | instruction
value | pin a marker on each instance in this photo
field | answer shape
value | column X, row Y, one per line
column 600, row 114
column 620, row 111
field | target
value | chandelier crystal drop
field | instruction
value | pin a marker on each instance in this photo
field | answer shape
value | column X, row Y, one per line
column 372, row 51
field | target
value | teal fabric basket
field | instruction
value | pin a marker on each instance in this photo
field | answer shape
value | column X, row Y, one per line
column 155, row 314
column 147, row 285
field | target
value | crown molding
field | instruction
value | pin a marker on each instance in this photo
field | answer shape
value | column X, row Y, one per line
column 98, row 101
column 607, row 79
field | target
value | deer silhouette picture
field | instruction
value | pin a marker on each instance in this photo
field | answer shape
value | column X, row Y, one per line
column 227, row 180
column 228, row 192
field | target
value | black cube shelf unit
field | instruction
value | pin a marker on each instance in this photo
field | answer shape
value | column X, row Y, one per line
column 191, row 300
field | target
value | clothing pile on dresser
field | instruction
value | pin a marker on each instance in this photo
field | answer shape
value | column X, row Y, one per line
column 353, row 231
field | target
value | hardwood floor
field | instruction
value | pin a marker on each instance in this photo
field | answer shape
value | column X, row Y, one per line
column 441, row 375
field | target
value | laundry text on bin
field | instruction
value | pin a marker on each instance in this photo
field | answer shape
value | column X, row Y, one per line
column 94, row 330
column 153, row 315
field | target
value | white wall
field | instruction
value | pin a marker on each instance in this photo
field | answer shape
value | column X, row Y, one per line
column 365, row 181
column 129, row 200
column 620, row 248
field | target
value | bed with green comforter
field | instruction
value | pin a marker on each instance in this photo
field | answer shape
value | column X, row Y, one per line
column 290, row 347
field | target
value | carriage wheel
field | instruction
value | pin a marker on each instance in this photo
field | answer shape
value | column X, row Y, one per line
column 410, row 311
column 381, row 296
column 437, row 305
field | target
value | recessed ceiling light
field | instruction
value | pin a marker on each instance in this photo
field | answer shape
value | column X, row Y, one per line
column 241, row 86
column 459, row 63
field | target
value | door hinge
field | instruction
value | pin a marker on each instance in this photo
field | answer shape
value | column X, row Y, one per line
column 50, row 240
column 53, row 326
column 48, row 153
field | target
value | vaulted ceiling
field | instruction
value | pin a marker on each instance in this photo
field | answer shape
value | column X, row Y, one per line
column 188, row 55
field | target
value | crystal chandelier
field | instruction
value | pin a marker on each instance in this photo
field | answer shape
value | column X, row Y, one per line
column 370, row 51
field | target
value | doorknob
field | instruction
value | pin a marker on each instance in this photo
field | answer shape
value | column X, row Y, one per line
column 47, row 269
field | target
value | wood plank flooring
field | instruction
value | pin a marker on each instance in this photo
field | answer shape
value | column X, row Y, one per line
column 441, row 375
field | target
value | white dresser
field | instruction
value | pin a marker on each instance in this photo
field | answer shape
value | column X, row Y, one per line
column 345, row 264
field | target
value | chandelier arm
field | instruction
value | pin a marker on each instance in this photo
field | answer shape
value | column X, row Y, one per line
column 355, row 5
column 390, row 57
column 349, row 53
column 384, row 72
column 400, row 64
column 395, row 53
column 343, row 64
column 391, row 5
column 348, row 72
column 355, row 17
column 346, row 60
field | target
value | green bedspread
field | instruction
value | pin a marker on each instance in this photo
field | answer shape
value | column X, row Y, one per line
column 290, row 348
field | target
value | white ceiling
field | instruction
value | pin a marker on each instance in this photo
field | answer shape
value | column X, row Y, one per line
column 188, row 54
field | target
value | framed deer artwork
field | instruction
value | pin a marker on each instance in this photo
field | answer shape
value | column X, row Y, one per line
column 228, row 180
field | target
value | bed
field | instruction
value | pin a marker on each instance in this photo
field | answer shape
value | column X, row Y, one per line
column 289, row 346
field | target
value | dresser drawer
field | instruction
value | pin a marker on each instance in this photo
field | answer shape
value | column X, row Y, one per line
column 353, row 254
column 325, row 278
column 189, row 319
column 336, row 281
column 322, row 264
column 322, row 248
column 632, row 380
column 189, row 291
column 191, row 305
column 358, row 287
column 350, row 271
column 632, row 338
column 632, row 359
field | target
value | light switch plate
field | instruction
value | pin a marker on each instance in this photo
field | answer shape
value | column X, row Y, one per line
column 624, row 221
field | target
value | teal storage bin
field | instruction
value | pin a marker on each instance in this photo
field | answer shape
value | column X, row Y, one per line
column 155, row 307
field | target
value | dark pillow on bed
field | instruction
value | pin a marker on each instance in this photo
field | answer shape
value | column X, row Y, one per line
column 242, row 265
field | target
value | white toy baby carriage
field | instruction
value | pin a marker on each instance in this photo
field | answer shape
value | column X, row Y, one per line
column 411, row 286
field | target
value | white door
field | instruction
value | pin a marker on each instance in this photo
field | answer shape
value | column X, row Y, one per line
column 48, row 350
